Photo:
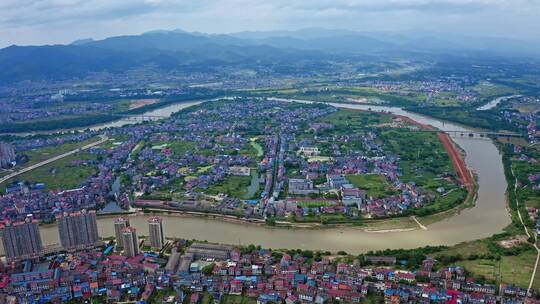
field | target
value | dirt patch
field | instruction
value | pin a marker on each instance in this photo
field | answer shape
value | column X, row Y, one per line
column 138, row 103
column 358, row 100
column 413, row 122
column 520, row 239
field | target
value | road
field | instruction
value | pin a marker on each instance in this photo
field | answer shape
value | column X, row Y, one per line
column 53, row 159
column 457, row 161
column 418, row 222
column 526, row 232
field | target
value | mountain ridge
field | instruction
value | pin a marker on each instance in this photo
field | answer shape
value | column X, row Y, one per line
column 178, row 49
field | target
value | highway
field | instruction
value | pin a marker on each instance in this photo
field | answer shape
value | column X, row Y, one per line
column 53, row 159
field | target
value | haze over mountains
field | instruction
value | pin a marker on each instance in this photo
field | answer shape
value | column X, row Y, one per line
column 179, row 50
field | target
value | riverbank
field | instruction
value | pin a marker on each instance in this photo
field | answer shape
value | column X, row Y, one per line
column 458, row 161
column 383, row 225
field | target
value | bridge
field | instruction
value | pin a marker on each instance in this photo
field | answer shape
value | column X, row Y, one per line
column 139, row 117
column 472, row 134
column 461, row 133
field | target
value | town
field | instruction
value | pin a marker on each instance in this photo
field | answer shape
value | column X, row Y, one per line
column 250, row 158
column 153, row 269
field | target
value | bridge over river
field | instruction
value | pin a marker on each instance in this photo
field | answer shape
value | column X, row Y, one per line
column 140, row 118
column 473, row 133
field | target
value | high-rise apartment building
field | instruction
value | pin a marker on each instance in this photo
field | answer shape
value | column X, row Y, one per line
column 77, row 229
column 119, row 224
column 21, row 239
column 155, row 232
column 130, row 241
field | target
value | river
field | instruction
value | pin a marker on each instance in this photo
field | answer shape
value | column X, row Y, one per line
column 488, row 217
column 492, row 104
column 164, row 112
column 159, row 112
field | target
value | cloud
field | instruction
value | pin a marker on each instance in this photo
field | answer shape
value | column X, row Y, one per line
column 25, row 21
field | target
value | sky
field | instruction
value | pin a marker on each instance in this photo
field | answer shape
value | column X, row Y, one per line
column 35, row 22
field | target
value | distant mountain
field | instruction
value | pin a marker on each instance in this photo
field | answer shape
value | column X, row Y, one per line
column 167, row 41
column 408, row 41
column 451, row 43
column 277, row 50
column 327, row 40
column 57, row 62
column 82, row 41
column 350, row 44
column 164, row 50
column 302, row 34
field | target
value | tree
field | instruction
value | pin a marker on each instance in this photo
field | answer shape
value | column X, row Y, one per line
column 208, row 269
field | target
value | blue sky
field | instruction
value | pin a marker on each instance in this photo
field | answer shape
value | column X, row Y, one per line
column 62, row 21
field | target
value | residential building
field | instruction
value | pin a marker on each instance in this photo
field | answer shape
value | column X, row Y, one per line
column 352, row 196
column 77, row 229
column 22, row 239
column 336, row 181
column 239, row 171
column 155, row 232
column 130, row 241
column 309, row 151
column 301, row 186
column 209, row 251
column 119, row 224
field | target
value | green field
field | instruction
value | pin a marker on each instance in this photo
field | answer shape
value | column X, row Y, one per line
column 40, row 154
column 204, row 169
column 526, row 193
column 67, row 175
column 233, row 186
column 257, row 147
column 375, row 184
column 445, row 99
column 333, row 93
column 61, row 174
column 523, row 170
column 489, row 90
column 135, row 152
column 509, row 269
column 465, row 250
column 346, row 119
column 182, row 147
column 230, row 299
column 314, row 204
